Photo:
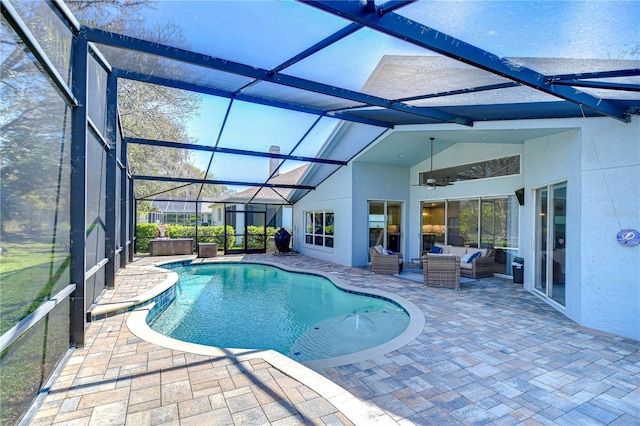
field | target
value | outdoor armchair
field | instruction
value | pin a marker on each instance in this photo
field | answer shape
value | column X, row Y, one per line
column 441, row 270
column 480, row 267
column 385, row 263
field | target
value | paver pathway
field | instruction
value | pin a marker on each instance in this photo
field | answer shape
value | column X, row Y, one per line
column 490, row 353
column 119, row 379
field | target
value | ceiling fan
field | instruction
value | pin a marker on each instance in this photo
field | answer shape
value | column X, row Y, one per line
column 431, row 182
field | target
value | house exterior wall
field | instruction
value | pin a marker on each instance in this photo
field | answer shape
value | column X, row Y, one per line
column 550, row 160
column 610, row 202
column 599, row 158
column 377, row 182
column 333, row 194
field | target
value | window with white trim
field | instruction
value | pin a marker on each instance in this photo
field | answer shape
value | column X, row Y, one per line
column 318, row 228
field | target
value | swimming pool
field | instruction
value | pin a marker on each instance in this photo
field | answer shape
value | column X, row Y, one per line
column 256, row 306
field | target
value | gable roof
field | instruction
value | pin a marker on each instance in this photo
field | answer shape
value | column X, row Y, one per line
column 270, row 195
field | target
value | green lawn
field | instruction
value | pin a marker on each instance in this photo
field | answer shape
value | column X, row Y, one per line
column 29, row 275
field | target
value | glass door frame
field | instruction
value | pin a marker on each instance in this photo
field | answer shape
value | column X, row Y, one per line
column 387, row 231
column 432, row 233
column 547, row 237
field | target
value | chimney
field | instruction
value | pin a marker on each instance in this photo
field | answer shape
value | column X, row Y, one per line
column 274, row 162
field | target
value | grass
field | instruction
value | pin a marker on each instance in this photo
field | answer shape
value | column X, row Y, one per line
column 28, row 362
column 29, row 275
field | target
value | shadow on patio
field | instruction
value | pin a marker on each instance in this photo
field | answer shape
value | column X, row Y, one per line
column 490, row 352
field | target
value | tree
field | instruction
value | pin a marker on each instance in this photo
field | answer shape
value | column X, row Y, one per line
column 146, row 110
column 34, row 126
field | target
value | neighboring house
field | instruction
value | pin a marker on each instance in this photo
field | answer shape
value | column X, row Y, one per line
column 278, row 210
column 175, row 210
column 581, row 181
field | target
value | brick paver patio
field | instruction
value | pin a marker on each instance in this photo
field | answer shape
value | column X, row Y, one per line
column 490, row 353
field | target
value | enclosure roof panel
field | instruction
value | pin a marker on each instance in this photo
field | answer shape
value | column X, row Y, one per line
column 322, row 80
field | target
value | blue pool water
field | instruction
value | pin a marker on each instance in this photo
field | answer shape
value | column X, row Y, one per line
column 254, row 306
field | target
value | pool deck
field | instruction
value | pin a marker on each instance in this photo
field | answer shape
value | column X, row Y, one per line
column 489, row 353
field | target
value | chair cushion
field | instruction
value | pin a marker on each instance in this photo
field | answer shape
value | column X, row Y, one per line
column 465, row 258
column 443, row 249
column 473, row 256
column 465, row 265
column 468, row 258
column 483, row 251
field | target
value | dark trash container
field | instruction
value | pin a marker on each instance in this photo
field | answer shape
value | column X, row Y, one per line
column 517, row 267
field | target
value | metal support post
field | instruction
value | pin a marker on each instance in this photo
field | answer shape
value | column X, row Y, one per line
column 124, row 212
column 132, row 221
column 78, row 196
column 111, row 202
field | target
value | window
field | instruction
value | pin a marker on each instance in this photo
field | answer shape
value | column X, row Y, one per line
column 462, row 222
column 319, row 228
column 433, row 224
column 499, row 223
column 482, row 170
column 485, row 223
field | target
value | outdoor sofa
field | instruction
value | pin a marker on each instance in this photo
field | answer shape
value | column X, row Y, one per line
column 472, row 265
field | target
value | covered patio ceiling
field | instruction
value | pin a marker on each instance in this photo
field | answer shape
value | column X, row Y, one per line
column 322, row 80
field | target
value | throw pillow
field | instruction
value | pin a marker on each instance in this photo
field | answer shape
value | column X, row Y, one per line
column 389, row 252
column 465, row 258
column 436, row 249
column 473, row 256
column 379, row 249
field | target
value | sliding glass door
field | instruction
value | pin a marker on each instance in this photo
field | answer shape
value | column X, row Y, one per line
column 486, row 223
column 433, row 224
column 550, row 241
column 462, row 222
column 385, row 224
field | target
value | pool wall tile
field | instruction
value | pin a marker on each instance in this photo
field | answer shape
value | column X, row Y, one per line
column 161, row 300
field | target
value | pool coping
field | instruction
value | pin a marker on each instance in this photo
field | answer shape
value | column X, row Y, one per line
column 111, row 309
column 359, row 412
column 413, row 330
column 305, row 372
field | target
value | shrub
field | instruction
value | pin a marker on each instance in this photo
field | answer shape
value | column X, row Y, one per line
column 145, row 232
column 255, row 238
column 215, row 234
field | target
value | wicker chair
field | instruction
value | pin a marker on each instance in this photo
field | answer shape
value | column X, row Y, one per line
column 480, row 267
column 385, row 263
column 441, row 270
